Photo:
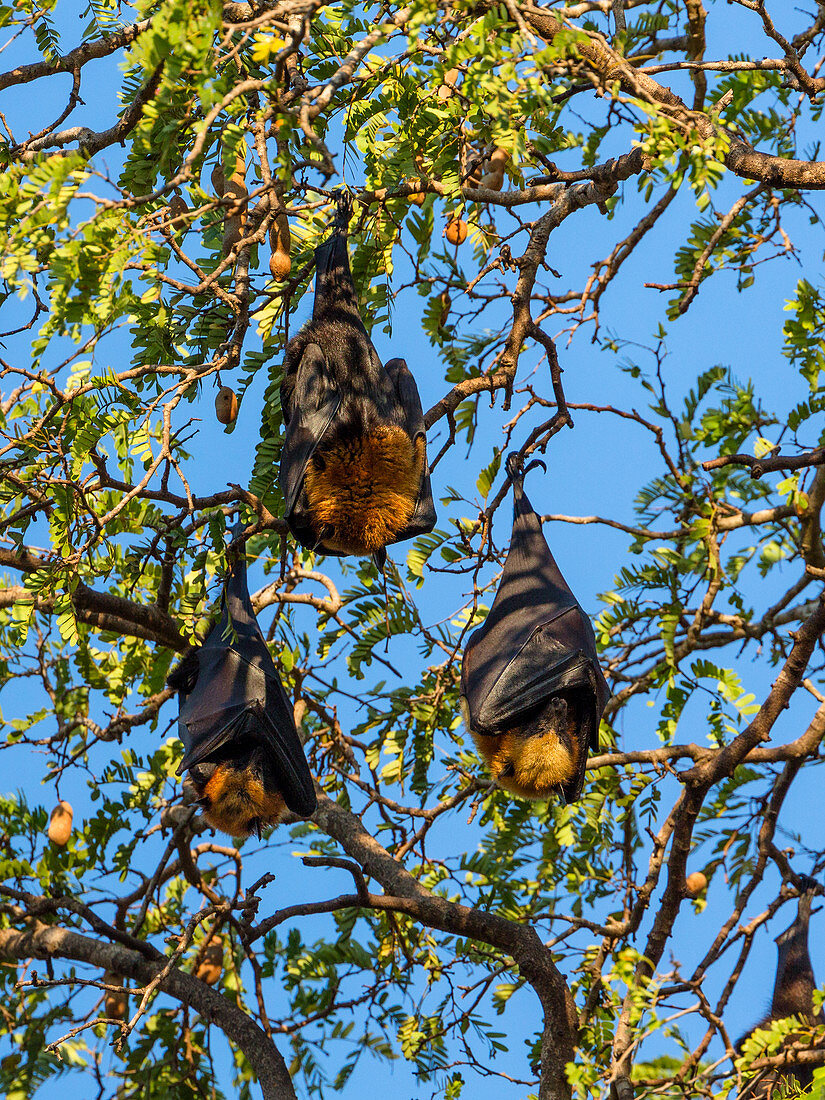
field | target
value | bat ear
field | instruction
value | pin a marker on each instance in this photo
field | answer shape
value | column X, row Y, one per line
column 183, row 676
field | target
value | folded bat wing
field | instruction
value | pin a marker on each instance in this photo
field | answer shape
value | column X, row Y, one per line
column 795, row 982
column 424, row 517
column 316, row 401
column 237, row 696
column 535, row 643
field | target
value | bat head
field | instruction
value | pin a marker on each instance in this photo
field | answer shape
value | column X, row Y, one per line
column 238, row 789
column 541, row 753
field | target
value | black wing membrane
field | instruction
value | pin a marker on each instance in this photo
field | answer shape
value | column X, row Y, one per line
column 424, row 517
column 315, row 402
column 236, row 722
column 793, row 995
column 531, row 684
column 353, row 470
column 793, row 991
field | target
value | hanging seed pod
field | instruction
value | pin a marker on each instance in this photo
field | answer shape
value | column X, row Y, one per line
column 695, row 884
column 446, row 302
column 456, row 231
column 115, row 1002
column 472, row 167
column 210, row 967
column 280, row 242
column 177, row 211
column 234, row 223
column 493, row 177
column 226, row 405
column 177, row 206
column 218, row 180
column 60, row 824
column 444, row 90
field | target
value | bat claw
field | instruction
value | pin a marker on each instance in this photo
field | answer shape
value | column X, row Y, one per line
column 807, row 884
column 516, row 470
column 343, row 211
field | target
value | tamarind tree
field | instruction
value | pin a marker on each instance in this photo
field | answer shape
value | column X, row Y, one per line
column 599, row 215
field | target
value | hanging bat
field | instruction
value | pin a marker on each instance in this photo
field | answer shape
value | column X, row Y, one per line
column 532, row 689
column 793, row 994
column 241, row 748
column 354, row 472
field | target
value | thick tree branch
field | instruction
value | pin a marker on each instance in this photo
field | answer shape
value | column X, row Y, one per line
column 519, row 941
column 610, row 66
column 42, row 941
column 76, row 58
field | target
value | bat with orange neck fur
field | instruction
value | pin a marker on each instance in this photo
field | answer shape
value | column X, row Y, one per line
column 354, row 472
column 532, row 691
column 241, row 748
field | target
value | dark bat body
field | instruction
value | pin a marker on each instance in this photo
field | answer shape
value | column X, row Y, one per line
column 354, row 470
column 792, row 996
column 241, row 748
column 532, row 690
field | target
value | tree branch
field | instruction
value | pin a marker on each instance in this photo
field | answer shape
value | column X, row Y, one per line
column 42, row 941
column 519, row 941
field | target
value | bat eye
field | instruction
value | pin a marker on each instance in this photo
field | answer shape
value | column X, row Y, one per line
column 318, row 463
column 508, row 771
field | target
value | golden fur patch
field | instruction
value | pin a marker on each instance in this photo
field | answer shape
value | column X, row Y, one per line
column 536, row 766
column 237, row 802
column 365, row 490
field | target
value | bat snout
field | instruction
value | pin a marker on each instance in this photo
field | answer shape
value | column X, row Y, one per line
column 539, row 754
column 237, row 802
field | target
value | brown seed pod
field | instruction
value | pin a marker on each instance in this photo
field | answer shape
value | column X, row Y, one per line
column 471, row 164
column 280, row 242
column 232, row 232
column 695, row 884
column 218, row 180
column 116, row 1003
column 60, row 824
column 177, row 206
column 236, row 189
column 493, row 181
column 446, row 302
column 210, row 966
column 226, row 405
column 177, row 210
column 444, row 90
column 456, row 231
column 493, row 177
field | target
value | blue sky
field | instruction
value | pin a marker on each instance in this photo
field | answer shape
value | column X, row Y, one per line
column 742, row 331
